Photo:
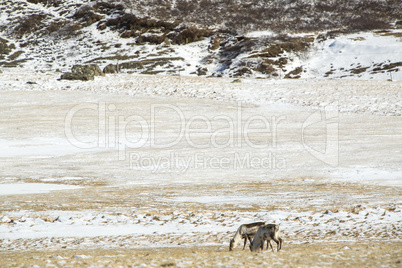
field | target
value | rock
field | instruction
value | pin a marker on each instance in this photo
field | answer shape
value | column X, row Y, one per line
column 110, row 69
column 202, row 71
column 102, row 26
column 168, row 264
column 131, row 65
column 242, row 72
column 5, row 49
column 73, row 76
column 215, row 43
column 91, row 69
column 265, row 68
column 166, row 42
column 295, row 73
column 83, row 72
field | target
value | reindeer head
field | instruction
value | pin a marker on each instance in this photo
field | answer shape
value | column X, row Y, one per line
column 231, row 244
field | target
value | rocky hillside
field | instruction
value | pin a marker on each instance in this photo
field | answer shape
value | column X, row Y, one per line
column 267, row 39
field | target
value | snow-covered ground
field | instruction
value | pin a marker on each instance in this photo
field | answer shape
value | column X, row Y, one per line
column 362, row 52
column 139, row 161
column 185, row 229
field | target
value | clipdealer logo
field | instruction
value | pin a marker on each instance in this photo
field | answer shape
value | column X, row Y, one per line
column 328, row 119
column 182, row 163
column 167, row 126
column 220, row 131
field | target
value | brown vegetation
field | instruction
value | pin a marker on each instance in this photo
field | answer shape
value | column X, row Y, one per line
column 29, row 24
column 86, row 15
column 265, row 53
column 130, row 25
column 155, row 31
column 358, row 70
column 53, row 3
column 185, row 35
column 149, row 65
column 5, row 48
column 389, row 66
column 15, row 55
column 278, row 16
column 265, row 68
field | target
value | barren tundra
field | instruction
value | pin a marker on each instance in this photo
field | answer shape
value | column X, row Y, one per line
column 137, row 170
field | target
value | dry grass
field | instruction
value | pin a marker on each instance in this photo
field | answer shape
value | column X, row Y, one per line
column 340, row 254
column 97, row 194
column 395, row 34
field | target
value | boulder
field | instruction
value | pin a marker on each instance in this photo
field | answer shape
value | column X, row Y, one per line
column 110, row 69
column 202, row 71
column 295, row 74
column 74, row 76
column 91, row 69
column 83, row 72
column 215, row 43
column 166, row 42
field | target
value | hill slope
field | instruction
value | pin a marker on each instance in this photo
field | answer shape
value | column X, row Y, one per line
column 298, row 39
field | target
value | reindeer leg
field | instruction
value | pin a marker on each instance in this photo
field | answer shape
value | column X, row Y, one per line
column 250, row 238
column 270, row 245
column 245, row 242
column 279, row 244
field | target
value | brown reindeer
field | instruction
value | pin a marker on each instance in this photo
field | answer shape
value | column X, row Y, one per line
column 266, row 232
column 246, row 232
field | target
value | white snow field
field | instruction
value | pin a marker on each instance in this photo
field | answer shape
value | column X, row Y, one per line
column 31, row 188
column 355, row 51
column 136, row 161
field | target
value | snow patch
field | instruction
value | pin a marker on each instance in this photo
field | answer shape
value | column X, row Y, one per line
column 368, row 175
column 39, row 147
column 32, row 188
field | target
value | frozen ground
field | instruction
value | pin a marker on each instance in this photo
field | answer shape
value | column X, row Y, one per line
column 31, row 188
column 132, row 162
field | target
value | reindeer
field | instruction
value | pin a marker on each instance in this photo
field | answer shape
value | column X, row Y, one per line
column 245, row 231
column 266, row 232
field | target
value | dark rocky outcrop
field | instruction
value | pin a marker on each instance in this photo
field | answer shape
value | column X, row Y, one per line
column 5, row 48
column 295, row 74
column 202, row 71
column 73, row 76
column 83, row 72
column 91, row 69
column 110, row 69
